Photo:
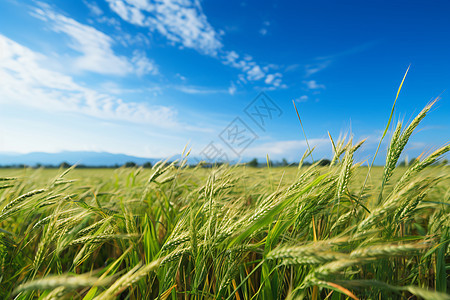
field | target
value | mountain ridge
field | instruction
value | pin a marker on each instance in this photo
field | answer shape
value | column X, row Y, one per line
column 90, row 158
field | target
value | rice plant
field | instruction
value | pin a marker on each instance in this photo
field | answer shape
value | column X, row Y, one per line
column 180, row 232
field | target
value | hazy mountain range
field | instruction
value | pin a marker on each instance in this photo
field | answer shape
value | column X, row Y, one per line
column 73, row 157
column 90, row 158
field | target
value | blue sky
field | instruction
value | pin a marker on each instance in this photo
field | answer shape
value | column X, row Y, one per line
column 147, row 78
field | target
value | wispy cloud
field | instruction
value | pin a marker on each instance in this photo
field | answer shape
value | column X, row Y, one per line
column 255, row 73
column 252, row 71
column 184, row 24
column 291, row 149
column 303, row 98
column 95, row 47
column 322, row 62
column 26, row 81
column 246, row 64
column 316, row 67
column 195, row 90
column 351, row 51
column 109, row 21
column 93, row 7
column 264, row 29
column 143, row 65
column 274, row 79
column 179, row 21
column 313, row 85
column 291, row 68
column 232, row 89
column 179, row 76
column 113, row 88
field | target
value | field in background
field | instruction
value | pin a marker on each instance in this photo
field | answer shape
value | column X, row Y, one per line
column 230, row 232
column 285, row 175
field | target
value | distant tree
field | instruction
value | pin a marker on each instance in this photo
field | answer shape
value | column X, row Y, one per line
column 413, row 161
column 324, row 162
column 130, row 164
column 440, row 162
column 284, row 162
column 147, row 165
column 198, row 164
column 64, row 165
column 253, row 163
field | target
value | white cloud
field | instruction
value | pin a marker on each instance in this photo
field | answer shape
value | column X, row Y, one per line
column 274, row 79
column 242, row 79
column 128, row 13
column 26, row 82
column 269, row 67
column 313, row 85
column 255, row 73
column 291, row 68
column 311, row 69
column 252, row 71
column 93, row 8
column 303, row 98
column 232, row 89
column 178, row 75
column 95, row 47
column 183, row 23
column 232, row 58
column 180, row 21
column 138, row 40
column 291, row 149
column 112, row 88
column 109, row 21
column 323, row 62
column 263, row 31
column 142, row 64
column 194, row 90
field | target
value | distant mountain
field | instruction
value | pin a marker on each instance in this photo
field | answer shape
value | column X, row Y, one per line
column 72, row 157
column 90, row 158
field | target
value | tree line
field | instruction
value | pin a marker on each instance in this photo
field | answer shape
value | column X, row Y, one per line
column 254, row 163
column 65, row 165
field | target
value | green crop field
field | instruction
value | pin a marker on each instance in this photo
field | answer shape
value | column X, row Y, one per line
column 230, row 232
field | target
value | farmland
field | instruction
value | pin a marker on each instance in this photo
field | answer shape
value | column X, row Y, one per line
column 224, row 150
column 230, row 232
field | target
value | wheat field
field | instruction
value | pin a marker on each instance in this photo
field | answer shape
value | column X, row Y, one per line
column 230, row 232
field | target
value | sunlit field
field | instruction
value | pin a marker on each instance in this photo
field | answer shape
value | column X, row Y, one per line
column 224, row 150
column 341, row 231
